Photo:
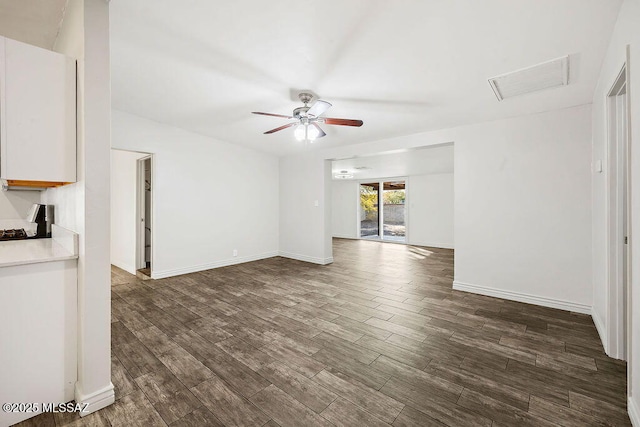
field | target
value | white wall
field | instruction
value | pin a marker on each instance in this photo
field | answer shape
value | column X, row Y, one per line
column 124, row 221
column 305, row 208
column 344, row 209
column 84, row 206
column 430, row 198
column 522, row 204
column 626, row 32
column 210, row 197
column 16, row 204
column 430, row 209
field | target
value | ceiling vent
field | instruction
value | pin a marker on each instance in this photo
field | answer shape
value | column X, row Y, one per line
column 547, row 75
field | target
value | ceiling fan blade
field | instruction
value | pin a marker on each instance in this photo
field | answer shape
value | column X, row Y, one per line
column 342, row 122
column 320, row 131
column 319, row 108
column 272, row 114
column 288, row 125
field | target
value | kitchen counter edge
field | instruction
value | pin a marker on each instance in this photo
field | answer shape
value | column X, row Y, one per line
column 62, row 246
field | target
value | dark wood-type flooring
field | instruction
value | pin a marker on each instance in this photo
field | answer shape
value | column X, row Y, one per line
column 377, row 338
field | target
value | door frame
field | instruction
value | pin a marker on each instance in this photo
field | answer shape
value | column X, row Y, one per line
column 140, row 212
column 618, row 217
column 381, row 182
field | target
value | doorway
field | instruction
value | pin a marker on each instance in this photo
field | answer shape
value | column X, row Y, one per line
column 618, row 217
column 382, row 211
column 144, row 197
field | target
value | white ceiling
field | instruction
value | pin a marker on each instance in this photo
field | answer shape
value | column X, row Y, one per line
column 402, row 66
column 32, row 21
column 420, row 161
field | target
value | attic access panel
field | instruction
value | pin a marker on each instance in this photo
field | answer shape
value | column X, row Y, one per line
column 547, row 75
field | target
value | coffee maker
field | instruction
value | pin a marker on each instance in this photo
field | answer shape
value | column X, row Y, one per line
column 42, row 215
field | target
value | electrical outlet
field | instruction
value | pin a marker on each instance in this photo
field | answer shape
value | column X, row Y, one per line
column 235, row 252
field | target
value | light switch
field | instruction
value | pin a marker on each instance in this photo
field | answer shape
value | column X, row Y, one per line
column 316, row 203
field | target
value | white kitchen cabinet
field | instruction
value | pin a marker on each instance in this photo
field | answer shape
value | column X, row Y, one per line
column 38, row 322
column 38, row 362
column 37, row 114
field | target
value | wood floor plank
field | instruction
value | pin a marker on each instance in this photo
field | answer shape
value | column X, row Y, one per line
column 362, row 328
column 187, row 368
column 122, row 381
column 486, row 386
column 560, row 414
column 155, row 340
column 238, row 375
column 200, row 417
column 298, row 386
column 524, row 383
column 397, row 329
column 301, row 362
column 133, row 410
column 245, row 353
column 362, row 372
column 405, row 356
column 374, row 402
column 442, row 410
column 285, row 410
column 354, row 350
column 499, row 411
column 427, row 381
column 227, row 405
column 410, row 417
column 343, row 413
column 603, row 411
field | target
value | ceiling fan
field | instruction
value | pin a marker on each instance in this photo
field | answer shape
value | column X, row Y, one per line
column 307, row 119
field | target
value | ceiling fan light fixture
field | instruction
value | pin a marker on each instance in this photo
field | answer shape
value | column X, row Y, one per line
column 300, row 132
column 306, row 132
column 307, row 120
column 343, row 176
column 312, row 133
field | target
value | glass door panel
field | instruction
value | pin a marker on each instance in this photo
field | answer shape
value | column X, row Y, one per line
column 393, row 214
column 369, row 210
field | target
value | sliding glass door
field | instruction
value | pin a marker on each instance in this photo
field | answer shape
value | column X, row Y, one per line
column 382, row 211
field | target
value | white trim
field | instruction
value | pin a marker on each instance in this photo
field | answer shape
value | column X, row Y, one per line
column 432, row 245
column 96, row 400
column 306, row 258
column 141, row 251
column 617, row 153
column 602, row 331
column 209, row 266
column 634, row 413
column 522, row 297
column 344, row 236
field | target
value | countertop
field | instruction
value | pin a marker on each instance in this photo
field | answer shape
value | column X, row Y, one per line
column 62, row 246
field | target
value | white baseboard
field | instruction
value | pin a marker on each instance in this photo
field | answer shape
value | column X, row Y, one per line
column 223, row 263
column 602, row 331
column 432, row 245
column 305, row 258
column 96, row 400
column 634, row 412
column 521, row 297
column 344, row 236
